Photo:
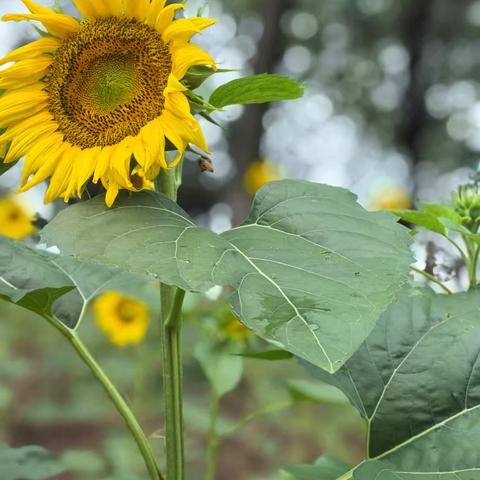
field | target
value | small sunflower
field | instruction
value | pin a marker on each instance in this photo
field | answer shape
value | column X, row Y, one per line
column 258, row 174
column 123, row 319
column 100, row 97
column 235, row 330
column 390, row 197
column 15, row 220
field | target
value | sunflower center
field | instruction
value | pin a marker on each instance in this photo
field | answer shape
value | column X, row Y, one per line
column 108, row 81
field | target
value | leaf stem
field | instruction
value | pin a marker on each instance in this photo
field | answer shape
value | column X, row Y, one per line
column 213, row 439
column 347, row 476
column 432, row 279
column 117, row 399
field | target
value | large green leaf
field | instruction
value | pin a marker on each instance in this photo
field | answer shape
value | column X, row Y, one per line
column 416, row 380
column 325, row 468
column 312, row 270
column 146, row 234
column 48, row 284
column 262, row 88
column 28, row 463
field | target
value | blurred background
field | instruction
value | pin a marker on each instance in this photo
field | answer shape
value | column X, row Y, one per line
column 391, row 111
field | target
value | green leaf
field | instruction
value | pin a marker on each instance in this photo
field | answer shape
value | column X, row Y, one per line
column 312, row 269
column 270, row 356
column 416, row 380
column 325, row 468
column 222, row 369
column 145, row 234
column 316, row 392
column 422, row 219
column 441, row 211
column 263, row 88
column 28, row 463
column 48, row 284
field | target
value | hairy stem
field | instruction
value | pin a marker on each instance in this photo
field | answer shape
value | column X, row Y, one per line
column 432, row 279
column 117, row 399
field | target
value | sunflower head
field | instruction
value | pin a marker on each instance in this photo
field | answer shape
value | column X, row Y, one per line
column 258, row 174
column 123, row 319
column 390, row 198
column 15, row 220
column 99, row 99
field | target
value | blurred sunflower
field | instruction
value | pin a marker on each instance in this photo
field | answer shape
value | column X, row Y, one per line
column 235, row 330
column 99, row 97
column 390, row 198
column 123, row 319
column 258, row 174
column 15, row 220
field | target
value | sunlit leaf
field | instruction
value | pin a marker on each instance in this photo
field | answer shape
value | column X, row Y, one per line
column 263, row 88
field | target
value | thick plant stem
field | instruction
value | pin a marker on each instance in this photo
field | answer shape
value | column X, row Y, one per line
column 213, row 439
column 432, row 279
column 117, row 399
column 171, row 302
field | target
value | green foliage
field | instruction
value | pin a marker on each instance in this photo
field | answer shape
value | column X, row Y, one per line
column 301, row 265
column 28, row 463
column 222, row 368
column 316, row 392
column 49, row 285
column 270, row 355
column 325, row 468
column 263, row 88
column 416, row 381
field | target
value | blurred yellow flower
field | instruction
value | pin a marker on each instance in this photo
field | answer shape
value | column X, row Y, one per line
column 235, row 330
column 15, row 220
column 258, row 174
column 123, row 319
column 390, row 198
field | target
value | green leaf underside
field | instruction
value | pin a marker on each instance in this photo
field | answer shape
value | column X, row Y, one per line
column 264, row 88
column 312, row 270
column 325, row 468
column 416, row 380
column 49, row 284
column 269, row 356
column 316, row 392
column 28, row 463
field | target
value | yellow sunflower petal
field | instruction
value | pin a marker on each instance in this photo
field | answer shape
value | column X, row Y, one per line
column 186, row 55
column 47, row 168
column 115, row 7
column 31, row 50
column 138, row 9
column 21, row 143
column 57, row 24
column 156, row 6
column 185, row 28
column 112, row 193
column 153, row 137
column 15, row 106
column 103, row 163
column 121, row 161
column 25, row 72
column 92, row 8
column 42, row 149
column 82, row 171
column 61, row 176
column 164, row 17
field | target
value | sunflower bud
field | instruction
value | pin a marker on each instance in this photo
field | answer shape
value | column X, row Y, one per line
column 466, row 202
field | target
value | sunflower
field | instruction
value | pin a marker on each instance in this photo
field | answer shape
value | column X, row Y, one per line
column 15, row 220
column 390, row 197
column 258, row 174
column 100, row 98
column 123, row 319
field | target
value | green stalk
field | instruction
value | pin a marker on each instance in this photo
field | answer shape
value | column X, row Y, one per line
column 432, row 279
column 213, row 440
column 117, row 399
column 171, row 300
